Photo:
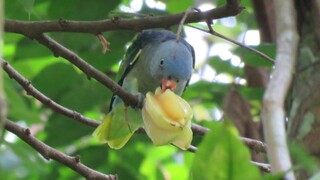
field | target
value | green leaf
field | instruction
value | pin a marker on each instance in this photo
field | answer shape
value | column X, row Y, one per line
column 174, row 6
column 93, row 156
column 223, row 66
column 56, row 79
column 27, row 49
column 254, row 59
column 85, row 10
column 28, row 5
column 210, row 92
column 278, row 176
column 63, row 131
column 30, row 68
column 14, row 10
column 85, row 96
column 222, row 155
column 157, row 157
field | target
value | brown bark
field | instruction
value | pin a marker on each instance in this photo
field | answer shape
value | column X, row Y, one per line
column 264, row 12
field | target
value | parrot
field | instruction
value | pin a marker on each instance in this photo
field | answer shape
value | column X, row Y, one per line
column 155, row 58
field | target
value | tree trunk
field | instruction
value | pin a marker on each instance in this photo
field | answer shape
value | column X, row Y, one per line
column 304, row 105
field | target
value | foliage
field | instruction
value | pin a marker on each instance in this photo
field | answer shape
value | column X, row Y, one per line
column 222, row 155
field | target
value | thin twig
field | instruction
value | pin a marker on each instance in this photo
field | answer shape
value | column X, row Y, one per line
column 211, row 31
column 255, row 145
column 50, row 153
column 192, row 149
column 182, row 22
column 262, row 166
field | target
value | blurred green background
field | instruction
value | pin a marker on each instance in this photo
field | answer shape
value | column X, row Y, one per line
column 219, row 70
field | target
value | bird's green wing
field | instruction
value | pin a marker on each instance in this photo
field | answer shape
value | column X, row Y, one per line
column 119, row 125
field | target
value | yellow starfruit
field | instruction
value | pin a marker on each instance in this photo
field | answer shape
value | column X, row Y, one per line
column 167, row 119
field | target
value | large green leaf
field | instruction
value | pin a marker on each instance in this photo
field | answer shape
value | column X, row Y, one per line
column 174, row 6
column 85, row 10
column 15, row 10
column 222, row 155
column 28, row 6
column 223, row 66
column 210, row 92
column 93, row 156
column 63, row 131
column 27, row 49
column 56, row 79
column 86, row 96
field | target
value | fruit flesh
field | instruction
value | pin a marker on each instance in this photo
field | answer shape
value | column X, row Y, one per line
column 170, row 104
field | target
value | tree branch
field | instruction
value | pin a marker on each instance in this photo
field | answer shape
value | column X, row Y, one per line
column 232, row 8
column 262, row 166
column 50, row 153
column 26, row 84
column 273, row 115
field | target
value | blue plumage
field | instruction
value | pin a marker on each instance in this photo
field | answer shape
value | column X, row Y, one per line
column 159, row 57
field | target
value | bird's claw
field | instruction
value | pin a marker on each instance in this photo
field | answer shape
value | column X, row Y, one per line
column 141, row 98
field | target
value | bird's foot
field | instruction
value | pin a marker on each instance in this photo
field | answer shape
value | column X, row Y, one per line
column 141, row 98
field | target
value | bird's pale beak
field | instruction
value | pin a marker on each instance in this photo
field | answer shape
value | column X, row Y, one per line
column 168, row 84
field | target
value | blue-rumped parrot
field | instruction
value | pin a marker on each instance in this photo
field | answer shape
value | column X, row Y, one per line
column 155, row 58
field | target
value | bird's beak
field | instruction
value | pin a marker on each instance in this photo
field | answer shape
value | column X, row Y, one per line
column 168, row 84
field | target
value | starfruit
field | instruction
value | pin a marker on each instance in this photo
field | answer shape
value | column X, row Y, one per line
column 167, row 119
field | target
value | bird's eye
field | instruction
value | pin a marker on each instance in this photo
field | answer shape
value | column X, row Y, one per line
column 161, row 62
column 169, row 77
column 177, row 81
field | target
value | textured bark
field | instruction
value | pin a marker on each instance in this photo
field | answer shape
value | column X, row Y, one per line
column 304, row 110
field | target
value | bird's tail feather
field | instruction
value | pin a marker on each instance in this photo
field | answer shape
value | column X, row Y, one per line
column 118, row 126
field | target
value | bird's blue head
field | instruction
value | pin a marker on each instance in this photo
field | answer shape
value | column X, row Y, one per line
column 172, row 65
